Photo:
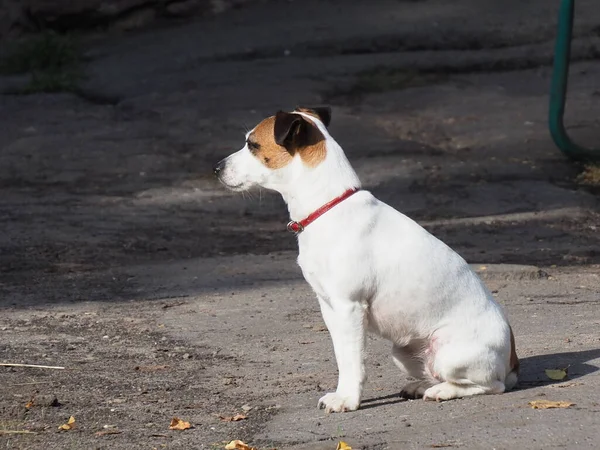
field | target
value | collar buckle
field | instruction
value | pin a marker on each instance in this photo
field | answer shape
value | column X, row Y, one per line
column 295, row 227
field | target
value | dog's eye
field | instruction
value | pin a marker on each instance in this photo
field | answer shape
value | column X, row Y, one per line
column 252, row 145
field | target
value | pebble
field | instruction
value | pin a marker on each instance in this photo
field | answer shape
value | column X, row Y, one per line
column 45, row 400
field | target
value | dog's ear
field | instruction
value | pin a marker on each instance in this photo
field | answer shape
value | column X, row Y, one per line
column 286, row 126
column 322, row 112
column 293, row 131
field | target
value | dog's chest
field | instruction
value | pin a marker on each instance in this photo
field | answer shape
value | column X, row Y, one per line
column 314, row 269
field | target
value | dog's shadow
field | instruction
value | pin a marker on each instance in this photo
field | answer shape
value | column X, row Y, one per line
column 532, row 373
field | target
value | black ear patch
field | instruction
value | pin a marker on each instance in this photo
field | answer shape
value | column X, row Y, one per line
column 293, row 131
column 322, row 112
column 286, row 125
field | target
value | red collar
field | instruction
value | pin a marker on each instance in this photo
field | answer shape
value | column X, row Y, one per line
column 298, row 227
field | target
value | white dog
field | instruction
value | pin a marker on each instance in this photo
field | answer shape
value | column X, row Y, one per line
column 374, row 268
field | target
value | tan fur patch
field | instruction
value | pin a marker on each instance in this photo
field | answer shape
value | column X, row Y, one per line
column 269, row 153
column 275, row 156
column 514, row 360
column 314, row 154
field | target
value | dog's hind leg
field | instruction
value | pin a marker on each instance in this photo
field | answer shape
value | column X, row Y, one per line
column 449, row 390
column 413, row 365
column 467, row 369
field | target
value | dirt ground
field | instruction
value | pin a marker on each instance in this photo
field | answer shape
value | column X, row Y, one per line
column 162, row 295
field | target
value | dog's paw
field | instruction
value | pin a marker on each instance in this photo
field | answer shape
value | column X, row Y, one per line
column 334, row 402
column 415, row 389
column 441, row 392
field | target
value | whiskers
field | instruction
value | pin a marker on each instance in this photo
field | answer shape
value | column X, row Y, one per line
column 247, row 195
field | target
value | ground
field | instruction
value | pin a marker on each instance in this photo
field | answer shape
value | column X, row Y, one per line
column 163, row 295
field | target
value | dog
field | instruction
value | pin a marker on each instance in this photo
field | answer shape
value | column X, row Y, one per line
column 374, row 269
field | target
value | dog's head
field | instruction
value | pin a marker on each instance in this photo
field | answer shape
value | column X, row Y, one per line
column 277, row 150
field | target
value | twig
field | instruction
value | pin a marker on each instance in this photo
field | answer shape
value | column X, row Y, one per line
column 33, row 382
column 30, row 365
column 16, row 432
column 171, row 305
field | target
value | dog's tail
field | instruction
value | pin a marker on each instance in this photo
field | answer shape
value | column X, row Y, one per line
column 513, row 377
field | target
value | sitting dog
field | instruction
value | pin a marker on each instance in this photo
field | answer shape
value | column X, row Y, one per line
column 373, row 268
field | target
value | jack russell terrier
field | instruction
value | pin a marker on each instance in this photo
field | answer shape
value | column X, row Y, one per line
column 373, row 268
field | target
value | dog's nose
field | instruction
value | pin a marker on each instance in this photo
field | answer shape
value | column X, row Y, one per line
column 218, row 167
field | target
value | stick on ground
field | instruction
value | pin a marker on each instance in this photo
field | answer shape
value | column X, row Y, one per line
column 30, row 365
column 16, row 432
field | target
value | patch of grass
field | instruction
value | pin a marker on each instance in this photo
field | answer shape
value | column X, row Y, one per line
column 590, row 175
column 383, row 79
column 52, row 61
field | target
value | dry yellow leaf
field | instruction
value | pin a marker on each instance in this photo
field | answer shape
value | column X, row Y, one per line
column 238, row 445
column 69, row 425
column 547, row 404
column 343, row 446
column 178, row 424
column 556, row 374
column 235, row 418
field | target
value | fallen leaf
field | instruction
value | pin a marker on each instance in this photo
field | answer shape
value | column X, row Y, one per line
column 235, row 418
column 178, row 424
column 556, row 374
column 69, row 425
column 107, row 432
column 150, row 368
column 547, row 404
column 343, row 446
column 238, row 445
column 29, row 404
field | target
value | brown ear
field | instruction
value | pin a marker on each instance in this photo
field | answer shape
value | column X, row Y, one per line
column 322, row 112
column 293, row 131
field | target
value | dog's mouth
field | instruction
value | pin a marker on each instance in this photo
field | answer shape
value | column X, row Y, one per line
column 233, row 187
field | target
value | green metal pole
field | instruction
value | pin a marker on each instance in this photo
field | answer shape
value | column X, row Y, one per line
column 558, row 90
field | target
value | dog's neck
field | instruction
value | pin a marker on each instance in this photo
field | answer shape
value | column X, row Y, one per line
column 314, row 187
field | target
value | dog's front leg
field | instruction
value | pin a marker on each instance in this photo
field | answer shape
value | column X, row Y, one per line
column 345, row 320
